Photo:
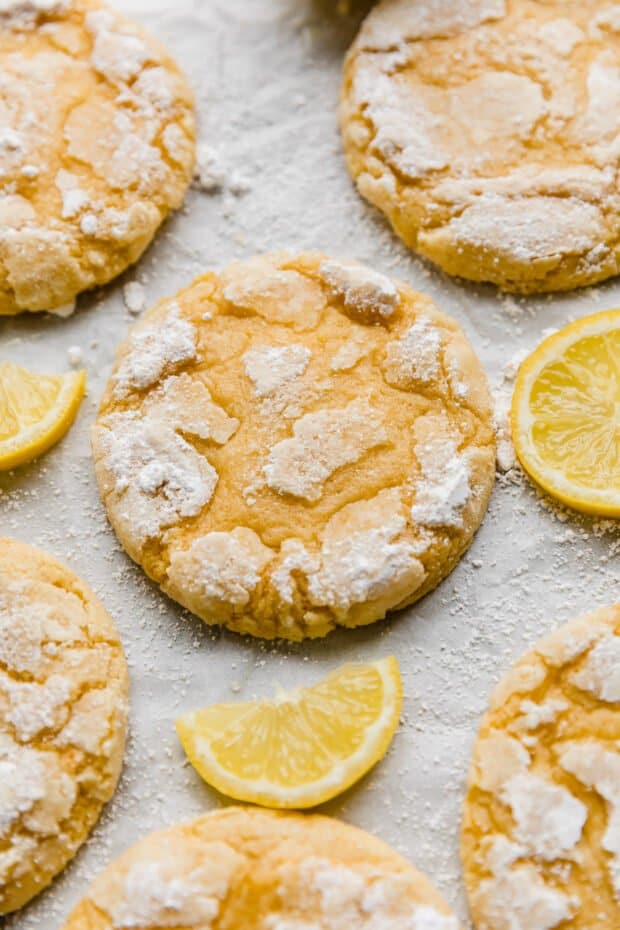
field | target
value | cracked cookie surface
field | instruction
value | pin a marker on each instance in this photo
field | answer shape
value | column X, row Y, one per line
column 541, row 829
column 487, row 132
column 242, row 868
column 96, row 148
column 63, row 718
column 294, row 444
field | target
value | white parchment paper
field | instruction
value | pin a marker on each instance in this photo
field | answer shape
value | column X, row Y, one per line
column 266, row 75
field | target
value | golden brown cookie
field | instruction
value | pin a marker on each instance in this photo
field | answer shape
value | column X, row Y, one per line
column 96, row 148
column 243, row 868
column 63, row 718
column 541, row 831
column 294, row 444
column 487, row 132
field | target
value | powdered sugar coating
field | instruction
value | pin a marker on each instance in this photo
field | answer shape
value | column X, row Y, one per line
column 322, row 443
column 291, row 873
column 335, row 897
column 219, row 570
column 153, row 475
column 534, row 85
column 155, row 348
column 97, row 147
column 548, row 819
column 600, row 672
column 598, row 767
column 364, row 292
column 170, row 887
column 364, row 558
column 443, row 488
column 156, row 476
column 533, row 838
column 271, row 367
column 273, row 491
column 518, row 899
column 63, row 710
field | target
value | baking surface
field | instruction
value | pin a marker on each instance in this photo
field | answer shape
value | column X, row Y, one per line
column 266, row 75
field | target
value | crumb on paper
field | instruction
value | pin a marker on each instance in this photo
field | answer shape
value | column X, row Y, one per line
column 134, row 296
column 75, row 356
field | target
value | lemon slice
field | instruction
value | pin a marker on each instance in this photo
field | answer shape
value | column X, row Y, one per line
column 566, row 414
column 35, row 411
column 301, row 748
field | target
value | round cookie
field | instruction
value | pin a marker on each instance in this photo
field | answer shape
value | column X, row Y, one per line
column 294, row 444
column 541, row 829
column 96, row 147
column 63, row 718
column 486, row 130
column 242, row 868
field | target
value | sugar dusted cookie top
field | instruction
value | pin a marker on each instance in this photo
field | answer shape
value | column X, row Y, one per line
column 96, row 148
column 487, row 131
column 244, row 868
column 63, row 713
column 294, row 444
column 541, row 831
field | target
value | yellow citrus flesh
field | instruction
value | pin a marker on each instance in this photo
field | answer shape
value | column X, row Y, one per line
column 35, row 411
column 566, row 414
column 301, row 748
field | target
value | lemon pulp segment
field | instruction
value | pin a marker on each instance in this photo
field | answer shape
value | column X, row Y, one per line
column 566, row 414
column 35, row 411
column 301, row 748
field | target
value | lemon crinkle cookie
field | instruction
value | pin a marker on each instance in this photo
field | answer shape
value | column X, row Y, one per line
column 96, row 147
column 294, row 444
column 63, row 711
column 486, row 130
column 243, row 868
column 541, row 832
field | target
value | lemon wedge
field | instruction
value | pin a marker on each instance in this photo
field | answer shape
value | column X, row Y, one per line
column 300, row 748
column 35, row 411
column 566, row 414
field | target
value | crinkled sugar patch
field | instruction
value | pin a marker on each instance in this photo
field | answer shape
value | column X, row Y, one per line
column 541, row 830
column 306, row 873
column 487, row 132
column 63, row 717
column 96, row 148
column 294, row 444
